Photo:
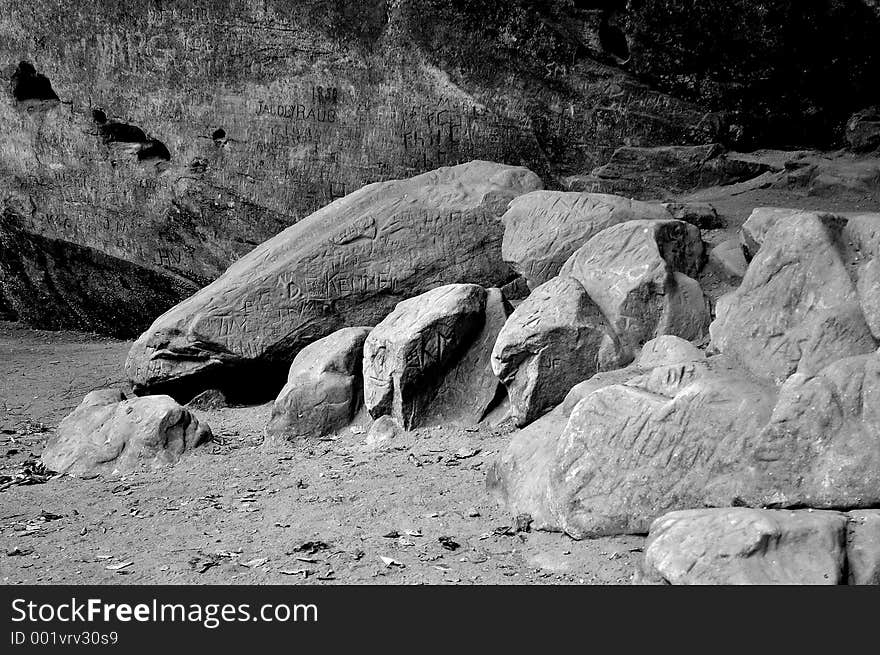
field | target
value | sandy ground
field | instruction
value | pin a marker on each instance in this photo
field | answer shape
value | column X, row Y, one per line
column 325, row 512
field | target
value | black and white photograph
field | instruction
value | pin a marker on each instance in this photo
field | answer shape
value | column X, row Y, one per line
column 336, row 293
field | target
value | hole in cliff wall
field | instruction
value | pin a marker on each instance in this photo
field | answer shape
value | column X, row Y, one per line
column 148, row 150
column 153, row 149
column 612, row 38
column 219, row 134
column 29, row 86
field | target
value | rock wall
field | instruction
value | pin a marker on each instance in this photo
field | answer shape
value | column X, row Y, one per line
column 179, row 135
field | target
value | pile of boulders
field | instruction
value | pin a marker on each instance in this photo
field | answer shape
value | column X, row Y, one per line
column 632, row 402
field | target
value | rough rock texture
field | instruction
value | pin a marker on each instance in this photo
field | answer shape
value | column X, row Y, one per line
column 677, row 436
column 759, row 222
column 727, row 261
column 743, row 546
column 821, row 447
column 863, row 547
column 554, row 339
column 56, row 285
column 837, row 176
column 347, row 264
column 543, row 229
column 108, row 434
column 660, row 171
column 407, row 355
column 701, row 214
column 863, row 130
column 181, row 135
column 636, row 272
column 797, row 308
column 470, row 388
column 323, row 390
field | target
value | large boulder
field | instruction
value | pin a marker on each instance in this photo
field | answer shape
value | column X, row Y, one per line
column 407, row 355
column 557, row 337
column 108, row 434
column 640, row 275
column 676, row 436
column 797, row 308
column 542, row 229
column 746, row 547
column 323, row 390
column 821, row 447
column 347, row 264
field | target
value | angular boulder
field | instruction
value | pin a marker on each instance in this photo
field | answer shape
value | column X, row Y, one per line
column 542, row 229
column 347, row 264
column 557, row 337
column 676, row 436
column 108, row 434
column 639, row 274
column 797, row 308
column 408, row 354
column 726, row 260
column 323, row 390
column 863, row 547
column 821, row 447
column 740, row 546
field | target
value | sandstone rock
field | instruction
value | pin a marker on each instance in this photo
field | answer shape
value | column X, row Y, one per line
column 347, row 264
column 746, row 547
column 651, row 172
column 470, row 388
column 758, row 224
column 108, row 434
column 543, row 228
column 796, row 305
column 554, row 339
column 57, row 285
column 629, row 270
column 727, row 261
column 863, row 547
column 323, row 390
column 408, row 353
column 852, row 177
column 701, row 214
column 868, row 289
column 677, row 436
column 821, row 447
column 661, row 351
column 863, row 130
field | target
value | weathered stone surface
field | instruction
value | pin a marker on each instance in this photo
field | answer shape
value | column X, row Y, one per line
column 740, row 546
column 797, row 307
column 701, row 214
column 868, row 289
column 383, row 431
column 407, row 355
column 470, row 387
column 265, row 113
column 821, row 447
column 554, row 339
column 209, row 399
column 542, row 229
column 677, row 436
column 323, row 390
column 863, row 130
column 630, row 271
column 661, row 351
column 727, row 261
column 842, row 176
column 57, row 285
column 659, row 171
column 758, row 224
column 108, row 434
column 863, row 547
column 347, row 264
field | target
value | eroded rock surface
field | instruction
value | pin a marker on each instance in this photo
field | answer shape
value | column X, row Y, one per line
column 640, row 274
column 408, row 354
column 348, row 264
column 554, row 339
column 863, row 547
column 324, row 388
column 108, row 434
column 741, row 546
column 543, row 229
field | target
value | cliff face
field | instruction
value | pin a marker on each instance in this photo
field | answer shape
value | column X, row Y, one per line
column 178, row 135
